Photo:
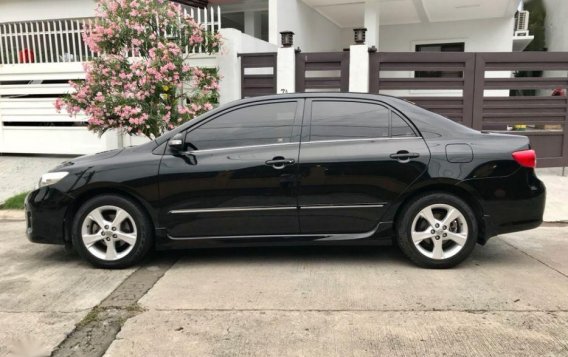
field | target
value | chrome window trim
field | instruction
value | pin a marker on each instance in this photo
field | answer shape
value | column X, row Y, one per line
column 283, row 208
column 244, row 147
column 366, row 139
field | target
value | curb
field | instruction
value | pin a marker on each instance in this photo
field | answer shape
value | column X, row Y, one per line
column 12, row 215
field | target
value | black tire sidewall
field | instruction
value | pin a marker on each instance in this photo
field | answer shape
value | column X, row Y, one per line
column 143, row 224
column 404, row 228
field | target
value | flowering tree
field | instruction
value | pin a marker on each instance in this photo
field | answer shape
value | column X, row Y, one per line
column 139, row 82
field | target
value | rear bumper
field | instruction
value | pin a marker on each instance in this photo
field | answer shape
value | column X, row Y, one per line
column 46, row 210
column 510, row 204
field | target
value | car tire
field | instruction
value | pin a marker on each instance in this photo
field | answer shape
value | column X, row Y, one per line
column 112, row 231
column 428, row 234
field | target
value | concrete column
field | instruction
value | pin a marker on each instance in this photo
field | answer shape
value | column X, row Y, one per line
column 253, row 23
column 372, row 22
column 359, row 68
column 230, row 66
column 286, row 73
column 273, row 34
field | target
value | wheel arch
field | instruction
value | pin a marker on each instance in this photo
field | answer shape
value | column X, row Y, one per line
column 86, row 195
column 448, row 187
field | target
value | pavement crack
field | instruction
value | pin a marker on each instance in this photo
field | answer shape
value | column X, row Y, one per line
column 94, row 334
column 535, row 258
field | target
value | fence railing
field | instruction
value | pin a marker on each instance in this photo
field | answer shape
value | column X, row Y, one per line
column 60, row 40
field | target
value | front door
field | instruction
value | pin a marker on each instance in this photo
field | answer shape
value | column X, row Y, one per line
column 242, row 178
column 353, row 164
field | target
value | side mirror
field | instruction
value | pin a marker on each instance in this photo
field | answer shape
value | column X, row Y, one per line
column 176, row 143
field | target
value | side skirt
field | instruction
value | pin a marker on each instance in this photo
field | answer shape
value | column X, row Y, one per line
column 381, row 235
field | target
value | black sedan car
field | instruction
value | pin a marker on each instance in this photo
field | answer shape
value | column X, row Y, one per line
column 295, row 169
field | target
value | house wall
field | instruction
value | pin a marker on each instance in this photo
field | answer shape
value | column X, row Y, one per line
column 26, row 10
column 314, row 32
column 556, row 26
column 489, row 35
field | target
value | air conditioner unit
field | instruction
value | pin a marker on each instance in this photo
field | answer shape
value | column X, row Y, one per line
column 522, row 23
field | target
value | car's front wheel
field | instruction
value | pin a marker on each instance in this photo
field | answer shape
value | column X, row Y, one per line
column 437, row 230
column 112, row 232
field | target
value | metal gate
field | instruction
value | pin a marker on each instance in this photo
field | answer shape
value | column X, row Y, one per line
column 258, row 74
column 322, row 71
column 479, row 90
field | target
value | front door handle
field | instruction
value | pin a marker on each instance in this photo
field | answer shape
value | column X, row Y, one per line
column 404, row 156
column 280, row 162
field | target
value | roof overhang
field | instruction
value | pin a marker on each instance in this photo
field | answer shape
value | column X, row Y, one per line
column 350, row 13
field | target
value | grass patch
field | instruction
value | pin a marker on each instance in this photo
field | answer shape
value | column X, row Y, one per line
column 15, row 202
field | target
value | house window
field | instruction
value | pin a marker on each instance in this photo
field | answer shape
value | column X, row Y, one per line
column 440, row 47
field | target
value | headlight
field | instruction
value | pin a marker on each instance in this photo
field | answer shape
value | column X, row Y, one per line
column 51, row 178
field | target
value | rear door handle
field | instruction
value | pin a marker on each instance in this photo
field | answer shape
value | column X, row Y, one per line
column 280, row 162
column 404, row 155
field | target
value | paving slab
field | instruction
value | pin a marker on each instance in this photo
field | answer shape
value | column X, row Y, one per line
column 497, row 277
column 36, row 277
column 44, row 291
column 556, row 197
column 547, row 244
column 342, row 333
column 34, row 333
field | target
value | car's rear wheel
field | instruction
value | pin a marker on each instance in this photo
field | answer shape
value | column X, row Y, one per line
column 112, row 232
column 437, row 230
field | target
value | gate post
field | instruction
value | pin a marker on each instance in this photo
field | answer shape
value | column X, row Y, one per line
column 286, row 70
column 359, row 68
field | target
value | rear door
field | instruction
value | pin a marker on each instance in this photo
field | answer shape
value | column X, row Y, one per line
column 242, row 181
column 356, row 158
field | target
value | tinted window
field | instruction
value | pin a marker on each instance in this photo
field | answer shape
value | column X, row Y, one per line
column 399, row 128
column 348, row 120
column 255, row 125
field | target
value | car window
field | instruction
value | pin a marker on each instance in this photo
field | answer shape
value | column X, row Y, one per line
column 348, row 120
column 399, row 127
column 262, row 124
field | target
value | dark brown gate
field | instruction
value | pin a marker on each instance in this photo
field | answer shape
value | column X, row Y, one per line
column 545, row 116
column 322, row 71
column 414, row 72
column 258, row 74
column 479, row 90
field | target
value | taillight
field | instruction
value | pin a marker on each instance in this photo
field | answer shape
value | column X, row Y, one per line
column 525, row 158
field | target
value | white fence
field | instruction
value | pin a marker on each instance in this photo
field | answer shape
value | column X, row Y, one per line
column 29, row 123
column 60, row 40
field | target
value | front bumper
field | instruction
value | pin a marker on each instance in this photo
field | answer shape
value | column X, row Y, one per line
column 510, row 204
column 46, row 210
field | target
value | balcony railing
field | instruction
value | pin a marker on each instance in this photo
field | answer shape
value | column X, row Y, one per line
column 60, row 40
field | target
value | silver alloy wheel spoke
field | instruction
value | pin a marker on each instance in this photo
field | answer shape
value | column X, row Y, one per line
column 438, row 251
column 90, row 239
column 97, row 216
column 418, row 237
column 446, row 233
column 428, row 215
column 129, row 238
column 109, row 233
column 121, row 215
column 451, row 216
column 110, row 253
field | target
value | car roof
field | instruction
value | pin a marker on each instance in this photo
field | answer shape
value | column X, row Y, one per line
column 309, row 95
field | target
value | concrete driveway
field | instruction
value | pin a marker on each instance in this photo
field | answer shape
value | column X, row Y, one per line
column 510, row 298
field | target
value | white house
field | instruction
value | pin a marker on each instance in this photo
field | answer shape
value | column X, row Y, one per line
column 28, row 87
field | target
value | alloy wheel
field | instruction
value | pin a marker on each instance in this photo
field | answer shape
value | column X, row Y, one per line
column 109, row 233
column 439, row 231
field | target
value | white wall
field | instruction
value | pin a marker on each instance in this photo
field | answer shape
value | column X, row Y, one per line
column 314, row 33
column 489, row 35
column 26, row 10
